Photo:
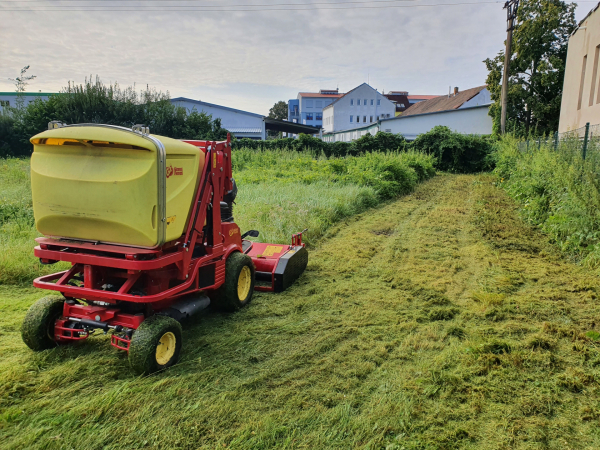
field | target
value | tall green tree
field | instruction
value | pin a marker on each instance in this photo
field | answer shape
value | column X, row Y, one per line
column 279, row 110
column 537, row 68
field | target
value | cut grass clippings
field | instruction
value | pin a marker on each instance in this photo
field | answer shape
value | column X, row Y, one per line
column 457, row 327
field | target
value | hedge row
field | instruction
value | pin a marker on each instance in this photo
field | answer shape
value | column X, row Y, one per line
column 454, row 152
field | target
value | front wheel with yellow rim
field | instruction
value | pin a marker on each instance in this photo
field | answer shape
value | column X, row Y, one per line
column 238, row 288
column 155, row 345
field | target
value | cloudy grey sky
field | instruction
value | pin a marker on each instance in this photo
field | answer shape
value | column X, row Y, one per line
column 249, row 60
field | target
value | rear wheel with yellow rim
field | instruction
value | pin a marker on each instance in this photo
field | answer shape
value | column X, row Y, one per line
column 155, row 345
column 238, row 288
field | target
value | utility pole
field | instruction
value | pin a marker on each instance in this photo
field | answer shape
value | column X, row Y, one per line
column 511, row 7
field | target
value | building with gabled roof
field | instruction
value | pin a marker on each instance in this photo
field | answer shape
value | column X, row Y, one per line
column 358, row 108
column 459, row 99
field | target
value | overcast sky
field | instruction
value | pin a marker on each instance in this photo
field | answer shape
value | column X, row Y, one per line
column 250, row 60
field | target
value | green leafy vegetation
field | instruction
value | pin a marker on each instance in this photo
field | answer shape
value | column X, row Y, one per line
column 96, row 102
column 557, row 191
column 453, row 152
column 537, row 68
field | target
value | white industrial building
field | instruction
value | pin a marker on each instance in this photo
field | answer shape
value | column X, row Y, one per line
column 464, row 112
column 242, row 124
column 360, row 107
column 10, row 98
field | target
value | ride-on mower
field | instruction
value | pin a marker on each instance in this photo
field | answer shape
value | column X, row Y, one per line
column 147, row 225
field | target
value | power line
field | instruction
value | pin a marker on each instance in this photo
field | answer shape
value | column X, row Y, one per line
column 305, row 7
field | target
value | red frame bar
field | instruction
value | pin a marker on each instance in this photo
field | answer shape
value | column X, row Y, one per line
column 215, row 178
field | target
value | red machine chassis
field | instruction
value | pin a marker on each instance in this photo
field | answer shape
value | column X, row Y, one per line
column 109, row 277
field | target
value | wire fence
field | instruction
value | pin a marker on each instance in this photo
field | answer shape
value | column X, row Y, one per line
column 582, row 144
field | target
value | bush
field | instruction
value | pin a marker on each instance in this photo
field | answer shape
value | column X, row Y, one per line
column 455, row 152
column 96, row 102
column 557, row 191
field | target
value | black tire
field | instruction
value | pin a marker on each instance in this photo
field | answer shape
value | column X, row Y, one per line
column 144, row 356
column 231, row 296
column 37, row 330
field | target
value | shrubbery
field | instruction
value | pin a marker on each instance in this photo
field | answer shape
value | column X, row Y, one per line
column 95, row 102
column 453, row 152
column 557, row 191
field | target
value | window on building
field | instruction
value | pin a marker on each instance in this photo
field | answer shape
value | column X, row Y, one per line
column 378, row 102
column 351, row 119
column 365, row 103
column 351, row 102
column 4, row 103
column 371, row 119
column 319, row 103
column 319, row 116
column 582, row 81
column 358, row 102
column 309, row 103
column 594, row 75
column 309, row 116
column 387, row 115
column 364, row 119
column 371, row 102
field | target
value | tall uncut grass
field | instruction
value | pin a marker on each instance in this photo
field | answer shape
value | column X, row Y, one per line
column 280, row 192
column 558, row 191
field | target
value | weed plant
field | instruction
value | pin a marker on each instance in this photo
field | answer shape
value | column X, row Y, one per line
column 557, row 191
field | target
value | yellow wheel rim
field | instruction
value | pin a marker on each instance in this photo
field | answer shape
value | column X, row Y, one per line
column 244, row 282
column 166, row 348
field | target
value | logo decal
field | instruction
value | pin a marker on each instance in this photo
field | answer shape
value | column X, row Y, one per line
column 171, row 219
column 174, row 171
column 271, row 250
column 234, row 231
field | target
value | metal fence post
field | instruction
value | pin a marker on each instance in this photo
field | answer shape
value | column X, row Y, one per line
column 527, row 145
column 585, row 139
column 556, row 141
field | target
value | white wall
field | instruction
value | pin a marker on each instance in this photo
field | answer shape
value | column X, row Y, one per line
column 352, row 104
column 230, row 118
column 581, row 88
column 11, row 97
column 466, row 121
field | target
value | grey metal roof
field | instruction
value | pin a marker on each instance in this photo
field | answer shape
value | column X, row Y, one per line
column 406, row 116
column 244, row 130
column 226, row 108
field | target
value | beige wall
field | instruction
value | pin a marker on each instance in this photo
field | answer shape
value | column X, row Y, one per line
column 581, row 93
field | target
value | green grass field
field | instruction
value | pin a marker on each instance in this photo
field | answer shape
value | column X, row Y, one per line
column 436, row 320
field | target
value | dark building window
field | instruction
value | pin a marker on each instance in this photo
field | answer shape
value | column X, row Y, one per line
column 309, row 116
column 319, row 116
